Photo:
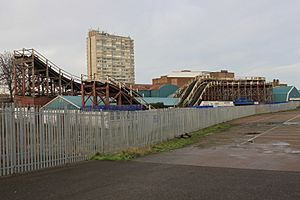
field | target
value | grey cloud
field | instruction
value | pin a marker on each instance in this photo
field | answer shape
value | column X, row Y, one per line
column 249, row 37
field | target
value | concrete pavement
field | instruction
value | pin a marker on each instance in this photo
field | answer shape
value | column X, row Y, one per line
column 267, row 142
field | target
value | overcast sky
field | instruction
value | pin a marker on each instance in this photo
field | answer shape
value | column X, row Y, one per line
column 253, row 38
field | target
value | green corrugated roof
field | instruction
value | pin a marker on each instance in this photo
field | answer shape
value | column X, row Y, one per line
column 282, row 89
column 68, row 102
column 167, row 90
column 284, row 93
column 77, row 100
column 165, row 101
column 164, row 91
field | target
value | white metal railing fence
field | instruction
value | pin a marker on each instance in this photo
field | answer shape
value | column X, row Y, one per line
column 32, row 139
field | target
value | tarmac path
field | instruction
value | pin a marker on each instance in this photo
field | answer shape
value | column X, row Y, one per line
column 258, row 158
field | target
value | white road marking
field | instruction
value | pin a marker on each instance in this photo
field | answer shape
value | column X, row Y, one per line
column 267, row 131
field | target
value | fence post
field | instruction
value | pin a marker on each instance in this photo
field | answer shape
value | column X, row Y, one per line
column 64, row 137
column 11, row 134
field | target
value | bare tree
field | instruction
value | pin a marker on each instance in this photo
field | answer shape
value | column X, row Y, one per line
column 6, row 71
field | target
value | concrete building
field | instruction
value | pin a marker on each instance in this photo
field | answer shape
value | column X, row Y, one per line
column 110, row 55
column 180, row 78
column 223, row 74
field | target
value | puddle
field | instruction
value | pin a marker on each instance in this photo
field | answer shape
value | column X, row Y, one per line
column 294, row 152
column 281, row 144
column 291, row 123
column 288, row 150
column 268, row 152
column 238, row 156
column 273, row 123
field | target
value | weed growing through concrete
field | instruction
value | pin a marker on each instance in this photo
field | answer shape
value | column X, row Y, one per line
column 169, row 145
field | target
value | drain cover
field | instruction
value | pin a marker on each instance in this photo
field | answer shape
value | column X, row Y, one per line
column 252, row 133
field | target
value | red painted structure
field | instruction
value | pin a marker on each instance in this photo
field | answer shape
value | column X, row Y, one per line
column 37, row 80
column 107, row 93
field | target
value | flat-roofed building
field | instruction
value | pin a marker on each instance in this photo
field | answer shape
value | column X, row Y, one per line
column 178, row 78
column 110, row 55
column 223, row 74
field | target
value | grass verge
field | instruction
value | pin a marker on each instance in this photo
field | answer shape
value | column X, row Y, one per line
column 169, row 145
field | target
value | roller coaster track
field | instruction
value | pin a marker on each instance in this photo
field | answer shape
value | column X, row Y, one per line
column 37, row 80
column 212, row 89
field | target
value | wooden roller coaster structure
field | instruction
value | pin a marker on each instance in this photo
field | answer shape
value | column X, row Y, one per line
column 37, row 80
column 205, row 88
